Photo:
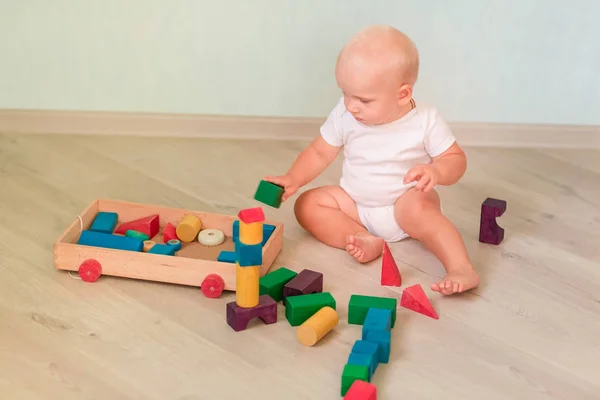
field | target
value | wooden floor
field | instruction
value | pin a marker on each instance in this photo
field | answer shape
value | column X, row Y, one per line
column 530, row 331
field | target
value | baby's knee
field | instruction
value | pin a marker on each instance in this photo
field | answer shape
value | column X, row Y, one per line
column 417, row 213
column 304, row 204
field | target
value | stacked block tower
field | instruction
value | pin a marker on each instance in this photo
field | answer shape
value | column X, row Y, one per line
column 248, row 302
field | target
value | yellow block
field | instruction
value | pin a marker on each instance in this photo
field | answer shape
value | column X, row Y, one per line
column 148, row 244
column 251, row 233
column 247, row 288
column 188, row 228
column 317, row 326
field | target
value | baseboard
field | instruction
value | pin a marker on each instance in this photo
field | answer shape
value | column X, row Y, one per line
column 214, row 126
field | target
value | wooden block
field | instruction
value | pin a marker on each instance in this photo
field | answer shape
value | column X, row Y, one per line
column 250, row 215
column 317, row 326
column 352, row 373
column 414, row 298
column 238, row 317
column 148, row 245
column 251, row 233
column 359, row 306
column 176, row 243
column 148, row 225
column 246, row 294
column 383, row 340
column 306, row 282
column 269, row 193
column 363, row 346
column 163, row 249
column 188, row 228
column 104, row 222
column 248, row 254
column 390, row 274
column 273, row 282
column 361, row 390
column 138, row 235
column 300, row 308
column 226, row 256
column 110, row 241
column 235, row 235
column 377, row 319
column 489, row 230
column 169, row 233
column 365, row 359
column 267, row 232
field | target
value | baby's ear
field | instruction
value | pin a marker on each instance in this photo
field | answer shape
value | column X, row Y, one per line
column 405, row 93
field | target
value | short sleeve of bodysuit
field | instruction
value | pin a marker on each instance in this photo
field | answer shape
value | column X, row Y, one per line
column 332, row 128
column 438, row 136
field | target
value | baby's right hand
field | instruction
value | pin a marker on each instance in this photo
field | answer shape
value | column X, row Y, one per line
column 289, row 185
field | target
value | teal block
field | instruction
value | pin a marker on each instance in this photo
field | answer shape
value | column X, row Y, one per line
column 104, row 222
column 383, row 340
column 227, row 256
column 363, row 359
column 248, row 254
column 362, row 346
column 163, row 249
column 267, row 232
column 377, row 319
column 110, row 241
column 235, row 236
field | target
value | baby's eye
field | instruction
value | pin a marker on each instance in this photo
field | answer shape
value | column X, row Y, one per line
column 365, row 101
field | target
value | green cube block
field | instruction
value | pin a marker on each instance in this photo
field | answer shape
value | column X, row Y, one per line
column 352, row 373
column 359, row 305
column 300, row 308
column 269, row 194
column 273, row 282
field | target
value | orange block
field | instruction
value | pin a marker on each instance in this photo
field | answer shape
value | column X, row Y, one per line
column 317, row 326
column 251, row 233
column 247, row 287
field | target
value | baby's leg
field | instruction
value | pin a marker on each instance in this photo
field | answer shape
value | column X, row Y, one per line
column 418, row 214
column 331, row 216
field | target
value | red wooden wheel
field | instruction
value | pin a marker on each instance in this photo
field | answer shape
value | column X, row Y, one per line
column 212, row 286
column 90, row 270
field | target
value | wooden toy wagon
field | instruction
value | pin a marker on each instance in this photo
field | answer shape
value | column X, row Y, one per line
column 141, row 241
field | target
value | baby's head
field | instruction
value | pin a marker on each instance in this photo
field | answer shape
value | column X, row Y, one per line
column 376, row 71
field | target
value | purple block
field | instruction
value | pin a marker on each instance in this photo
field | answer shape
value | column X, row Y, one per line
column 238, row 317
column 489, row 231
column 306, row 282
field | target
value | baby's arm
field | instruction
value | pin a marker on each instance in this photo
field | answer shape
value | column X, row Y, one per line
column 445, row 169
column 308, row 165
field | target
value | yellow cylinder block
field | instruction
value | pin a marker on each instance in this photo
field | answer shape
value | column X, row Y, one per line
column 247, row 287
column 188, row 228
column 148, row 244
column 251, row 233
column 317, row 326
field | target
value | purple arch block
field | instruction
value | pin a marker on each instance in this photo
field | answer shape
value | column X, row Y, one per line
column 489, row 231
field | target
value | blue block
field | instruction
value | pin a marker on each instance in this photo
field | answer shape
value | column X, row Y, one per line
column 227, row 256
column 163, row 249
column 248, row 254
column 367, row 360
column 235, row 236
column 377, row 319
column 104, row 222
column 267, row 232
column 364, row 347
column 382, row 338
column 110, row 241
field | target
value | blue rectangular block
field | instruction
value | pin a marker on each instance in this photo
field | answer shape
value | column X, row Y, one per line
column 163, row 249
column 267, row 232
column 382, row 338
column 248, row 254
column 377, row 319
column 364, row 347
column 227, row 256
column 367, row 360
column 110, row 241
column 104, row 222
column 235, row 236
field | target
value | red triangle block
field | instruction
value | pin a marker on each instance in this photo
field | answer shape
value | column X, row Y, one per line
column 414, row 298
column 390, row 275
column 147, row 225
column 169, row 233
column 251, row 215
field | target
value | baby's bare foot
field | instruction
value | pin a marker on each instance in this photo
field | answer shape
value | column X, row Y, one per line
column 364, row 247
column 457, row 281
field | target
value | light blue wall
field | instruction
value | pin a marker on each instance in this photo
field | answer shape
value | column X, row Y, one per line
column 518, row 61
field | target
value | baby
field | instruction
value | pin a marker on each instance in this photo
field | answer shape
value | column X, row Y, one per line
column 395, row 152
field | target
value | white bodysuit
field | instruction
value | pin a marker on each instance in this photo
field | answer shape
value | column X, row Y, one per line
column 376, row 159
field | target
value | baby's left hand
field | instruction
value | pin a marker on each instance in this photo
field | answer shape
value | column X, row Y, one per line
column 426, row 174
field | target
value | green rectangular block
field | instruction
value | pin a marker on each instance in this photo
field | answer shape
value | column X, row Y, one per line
column 352, row 373
column 269, row 193
column 359, row 305
column 273, row 282
column 300, row 308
